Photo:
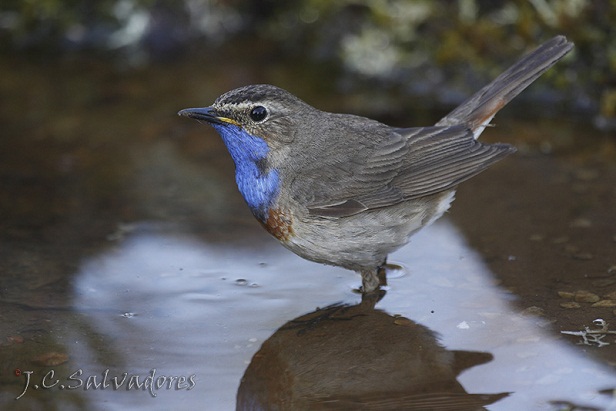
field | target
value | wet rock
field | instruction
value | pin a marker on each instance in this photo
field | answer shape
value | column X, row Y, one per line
column 612, row 269
column 581, row 223
column 534, row 310
column 403, row 321
column 570, row 304
column 571, row 249
column 560, row 240
column 566, row 294
column 598, row 275
column 604, row 282
column 51, row 359
column 583, row 296
column 605, row 303
column 537, row 237
column 582, row 256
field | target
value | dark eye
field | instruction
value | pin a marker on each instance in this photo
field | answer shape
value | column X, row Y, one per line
column 258, row 113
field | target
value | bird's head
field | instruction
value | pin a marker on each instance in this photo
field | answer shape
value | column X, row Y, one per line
column 262, row 111
column 256, row 123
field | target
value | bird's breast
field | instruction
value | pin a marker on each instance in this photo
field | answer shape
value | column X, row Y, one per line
column 279, row 223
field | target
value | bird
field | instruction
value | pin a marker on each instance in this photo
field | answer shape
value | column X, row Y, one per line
column 345, row 190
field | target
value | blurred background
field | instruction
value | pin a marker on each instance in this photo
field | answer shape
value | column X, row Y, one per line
column 435, row 51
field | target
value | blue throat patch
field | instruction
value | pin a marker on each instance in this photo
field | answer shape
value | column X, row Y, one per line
column 258, row 186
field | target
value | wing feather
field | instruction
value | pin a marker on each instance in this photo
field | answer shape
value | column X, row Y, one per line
column 410, row 163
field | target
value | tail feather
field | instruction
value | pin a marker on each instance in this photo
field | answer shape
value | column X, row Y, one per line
column 480, row 108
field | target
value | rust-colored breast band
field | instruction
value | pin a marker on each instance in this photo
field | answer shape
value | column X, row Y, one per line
column 279, row 224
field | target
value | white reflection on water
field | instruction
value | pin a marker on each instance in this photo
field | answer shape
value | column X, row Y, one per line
column 172, row 302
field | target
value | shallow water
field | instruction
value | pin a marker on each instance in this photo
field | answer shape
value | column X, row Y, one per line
column 126, row 247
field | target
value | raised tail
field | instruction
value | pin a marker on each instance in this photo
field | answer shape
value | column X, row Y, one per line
column 478, row 110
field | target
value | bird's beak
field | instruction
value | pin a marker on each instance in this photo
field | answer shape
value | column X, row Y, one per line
column 207, row 114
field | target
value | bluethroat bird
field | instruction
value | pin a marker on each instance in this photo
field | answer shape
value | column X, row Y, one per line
column 345, row 190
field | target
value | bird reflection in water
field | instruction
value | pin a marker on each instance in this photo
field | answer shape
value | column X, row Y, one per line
column 357, row 357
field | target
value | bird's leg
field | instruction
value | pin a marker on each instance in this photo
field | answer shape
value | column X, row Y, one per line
column 382, row 272
column 371, row 279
